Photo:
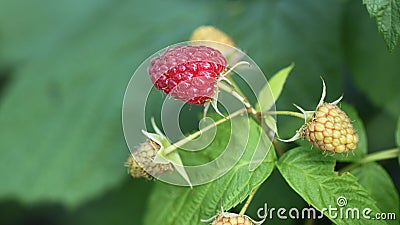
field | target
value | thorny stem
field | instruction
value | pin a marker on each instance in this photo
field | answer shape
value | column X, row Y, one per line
column 381, row 155
column 180, row 143
column 248, row 201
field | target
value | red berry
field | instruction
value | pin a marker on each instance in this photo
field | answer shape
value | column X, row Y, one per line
column 187, row 73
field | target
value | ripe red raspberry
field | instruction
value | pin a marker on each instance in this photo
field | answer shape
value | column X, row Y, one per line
column 187, row 73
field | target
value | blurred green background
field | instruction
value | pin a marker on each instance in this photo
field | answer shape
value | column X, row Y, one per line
column 64, row 66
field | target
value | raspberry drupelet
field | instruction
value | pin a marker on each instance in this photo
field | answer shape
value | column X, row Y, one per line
column 187, row 73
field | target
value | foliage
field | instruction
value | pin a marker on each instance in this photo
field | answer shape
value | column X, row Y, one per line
column 387, row 15
column 64, row 66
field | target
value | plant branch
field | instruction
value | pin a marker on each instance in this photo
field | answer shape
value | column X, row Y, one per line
column 180, row 143
column 286, row 113
column 381, row 155
column 248, row 201
column 231, row 91
column 234, row 85
column 234, row 92
column 278, row 148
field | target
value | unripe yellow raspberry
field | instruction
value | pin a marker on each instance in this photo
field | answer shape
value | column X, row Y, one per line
column 210, row 33
column 330, row 130
column 140, row 163
column 232, row 220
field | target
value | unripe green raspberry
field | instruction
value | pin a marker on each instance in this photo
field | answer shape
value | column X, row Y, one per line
column 232, row 220
column 140, row 163
column 330, row 130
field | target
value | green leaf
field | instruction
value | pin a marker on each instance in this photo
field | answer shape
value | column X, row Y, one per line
column 290, row 33
column 313, row 177
column 62, row 110
column 398, row 137
column 270, row 93
column 387, row 15
column 373, row 69
column 379, row 184
column 116, row 207
column 362, row 148
column 267, row 195
column 178, row 205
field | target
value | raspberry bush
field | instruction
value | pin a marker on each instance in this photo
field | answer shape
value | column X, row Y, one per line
column 320, row 169
column 64, row 67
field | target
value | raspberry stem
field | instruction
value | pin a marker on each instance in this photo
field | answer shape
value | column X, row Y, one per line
column 381, row 155
column 228, row 78
column 234, row 66
column 234, row 85
column 184, row 141
column 248, row 201
column 231, row 91
column 286, row 113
